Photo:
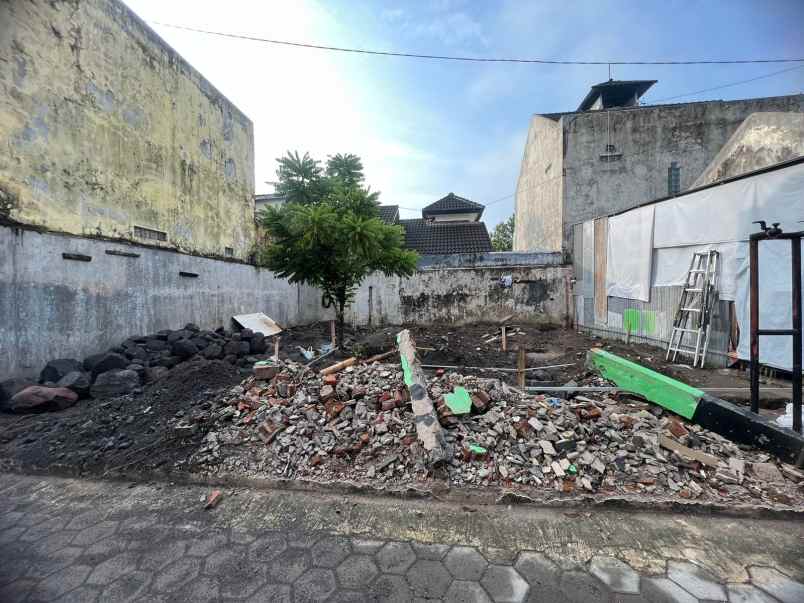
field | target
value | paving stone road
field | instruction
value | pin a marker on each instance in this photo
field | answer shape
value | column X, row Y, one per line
column 73, row 540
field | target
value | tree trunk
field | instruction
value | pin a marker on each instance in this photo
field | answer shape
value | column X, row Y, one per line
column 428, row 429
column 340, row 304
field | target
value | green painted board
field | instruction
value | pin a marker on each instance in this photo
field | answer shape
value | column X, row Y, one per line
column 459, row 401
column 673, row 395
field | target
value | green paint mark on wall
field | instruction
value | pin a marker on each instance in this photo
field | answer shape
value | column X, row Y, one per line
column 631, row 320
column 673, row 395
column 639, row 321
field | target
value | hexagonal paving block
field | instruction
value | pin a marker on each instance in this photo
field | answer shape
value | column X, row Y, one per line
column 113, row 568
column 275, row 593
column 94, row 533
column 267, row 546
column 395, row 557
column 82, row 594
column 618, row 576
column 428, row 579
column 430, row 551
column 499, row 556
column 663, row 590
column 746, row 593
column 128, row 588
column 465, row 563
column 461, row 591
column 695, row 580
column 289, row 565
column 330, row 551
column 775, row 583
column 206, row 543
column 504, row 584
column 583, row 588
column 390, row 589
column 238, row 575
column 537, row 569
column 63, row 582
column 45, row 565
column 201, row 590
column 356, row 571
column 177, row 574
column 314, row 585
column 157, row 557
column 350, row 596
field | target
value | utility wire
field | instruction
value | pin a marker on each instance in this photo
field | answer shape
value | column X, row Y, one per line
column 753, row 79
column 438, row 57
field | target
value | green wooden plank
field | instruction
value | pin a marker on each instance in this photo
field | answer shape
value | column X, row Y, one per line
column 673, row 395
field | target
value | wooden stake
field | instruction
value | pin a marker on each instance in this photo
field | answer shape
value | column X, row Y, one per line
column 520, row 367
column 276, row 347
column 504, row 340
column 338, row 366
column 332, row 334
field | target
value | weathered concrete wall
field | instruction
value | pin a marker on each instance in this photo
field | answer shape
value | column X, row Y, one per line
column 106, row 128
column 51, row 307
column 538, row 205
column 650, row 139
column 761, row 140
column 465, row 295
column 646, row 141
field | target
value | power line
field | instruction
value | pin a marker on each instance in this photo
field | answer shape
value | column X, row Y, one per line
column 753, row 79
column 438, row 57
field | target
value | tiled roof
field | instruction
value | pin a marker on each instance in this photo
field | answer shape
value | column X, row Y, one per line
column 452, row 203
column 389, row 214
column 432, row 238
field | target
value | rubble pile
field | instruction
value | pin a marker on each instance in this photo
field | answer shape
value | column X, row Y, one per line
column 125, row 368
column 357, row 425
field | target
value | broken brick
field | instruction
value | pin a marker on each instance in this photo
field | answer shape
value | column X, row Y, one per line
column 213, row 499
column 330, row 379
column 677, row 429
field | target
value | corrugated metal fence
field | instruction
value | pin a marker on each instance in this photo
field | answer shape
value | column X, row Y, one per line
column 618, row 318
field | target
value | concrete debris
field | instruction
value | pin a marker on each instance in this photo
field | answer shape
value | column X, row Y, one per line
column 360, row 427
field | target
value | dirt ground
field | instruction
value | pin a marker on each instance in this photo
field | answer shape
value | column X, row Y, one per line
column 139, row 430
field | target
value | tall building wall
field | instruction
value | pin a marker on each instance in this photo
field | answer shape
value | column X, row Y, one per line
column 617, row 159
column 646, row 142
column 108, row 132
column 539, row 210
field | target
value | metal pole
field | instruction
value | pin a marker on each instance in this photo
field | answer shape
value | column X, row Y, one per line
column 796, row 257
column 754, row 295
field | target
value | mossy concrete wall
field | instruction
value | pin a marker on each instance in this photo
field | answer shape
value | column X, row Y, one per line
column 104, row 127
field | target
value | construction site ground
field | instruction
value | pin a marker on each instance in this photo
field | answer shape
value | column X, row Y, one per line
column 150, row 432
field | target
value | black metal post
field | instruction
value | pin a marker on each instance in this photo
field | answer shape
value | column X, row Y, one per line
column 796, row 332
column 754, row 296
column 796, row 260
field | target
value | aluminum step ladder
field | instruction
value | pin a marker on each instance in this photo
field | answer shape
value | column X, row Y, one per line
column 693, row 318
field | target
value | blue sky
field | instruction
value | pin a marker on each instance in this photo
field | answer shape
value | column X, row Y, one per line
column 425, row 128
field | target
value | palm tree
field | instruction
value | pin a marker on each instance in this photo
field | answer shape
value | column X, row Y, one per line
column 346, row 168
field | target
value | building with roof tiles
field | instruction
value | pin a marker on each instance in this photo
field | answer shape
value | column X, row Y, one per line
column 450, row 225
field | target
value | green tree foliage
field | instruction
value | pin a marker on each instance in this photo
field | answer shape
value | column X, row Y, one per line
column 346, row 168
column 329, row 235
column 502, row 237
column 300, row 179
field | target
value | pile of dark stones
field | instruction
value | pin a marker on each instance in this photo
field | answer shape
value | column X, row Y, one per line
column 124, row 369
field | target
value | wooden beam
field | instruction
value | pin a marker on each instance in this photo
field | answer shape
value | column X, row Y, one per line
column 428, row 429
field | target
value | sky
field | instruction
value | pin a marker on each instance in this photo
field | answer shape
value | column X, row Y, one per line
column 426, row 128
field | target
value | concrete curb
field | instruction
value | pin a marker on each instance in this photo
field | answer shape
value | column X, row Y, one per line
column 459, row 496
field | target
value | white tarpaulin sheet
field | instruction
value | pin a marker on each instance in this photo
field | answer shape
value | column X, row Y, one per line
column 726, row 212
column 629, row 254
column 670, row 266
column 775, row 304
